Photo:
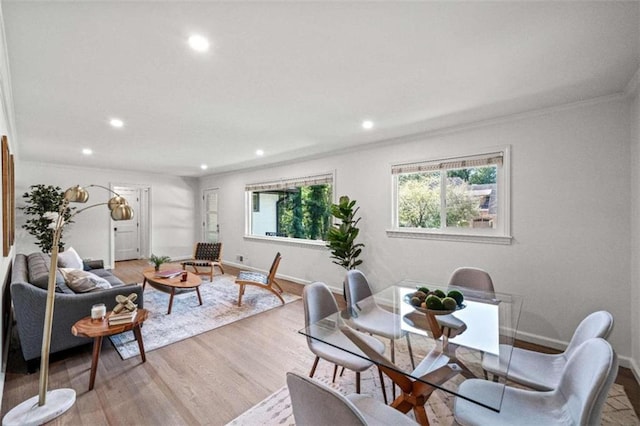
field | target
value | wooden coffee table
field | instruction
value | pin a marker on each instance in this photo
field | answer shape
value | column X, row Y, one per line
column 171, row 284
column 99, row 329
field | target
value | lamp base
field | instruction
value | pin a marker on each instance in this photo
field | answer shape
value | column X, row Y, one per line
column 28, row 413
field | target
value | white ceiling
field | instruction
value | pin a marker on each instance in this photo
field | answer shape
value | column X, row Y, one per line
column 295, row 79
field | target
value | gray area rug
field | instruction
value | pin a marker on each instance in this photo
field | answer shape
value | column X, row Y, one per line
column 188, row 318
column 276, row 408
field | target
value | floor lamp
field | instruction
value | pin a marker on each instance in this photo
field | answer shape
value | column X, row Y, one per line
column 48, row 405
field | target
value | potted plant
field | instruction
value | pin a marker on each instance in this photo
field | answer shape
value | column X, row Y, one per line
column 341, row 237
column 158, row 260
column 40, row 200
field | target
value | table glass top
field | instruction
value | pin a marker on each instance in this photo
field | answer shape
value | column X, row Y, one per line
column 482, row 329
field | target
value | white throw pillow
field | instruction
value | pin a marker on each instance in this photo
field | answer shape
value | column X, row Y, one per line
column 83, row 281
column 70, row 259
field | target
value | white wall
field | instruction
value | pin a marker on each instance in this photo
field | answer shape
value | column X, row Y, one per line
column 633, row 89
column 174, row 210
column 570, row 215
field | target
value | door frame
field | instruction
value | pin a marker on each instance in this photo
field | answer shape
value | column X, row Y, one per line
column 203, row 213
column 144, row 221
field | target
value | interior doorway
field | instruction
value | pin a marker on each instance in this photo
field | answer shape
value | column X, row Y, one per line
column 131, row 237
column 210, row 224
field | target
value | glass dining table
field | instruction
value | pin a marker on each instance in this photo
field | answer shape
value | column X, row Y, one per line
column 447, row 347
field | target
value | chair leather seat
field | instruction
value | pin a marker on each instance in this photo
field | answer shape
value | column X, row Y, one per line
column 377, row 413
column 198, row 263
column 375, row 320
column 340, row 356
column 518, row 407
column 547, row 367
column 253, row 276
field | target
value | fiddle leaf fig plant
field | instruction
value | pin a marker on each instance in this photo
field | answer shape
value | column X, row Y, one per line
column 341, row 236
column 42, row 201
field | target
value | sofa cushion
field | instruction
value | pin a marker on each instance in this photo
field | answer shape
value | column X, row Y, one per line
column 39, row 270
column 83, row 281
column 70, row 259
column 108, row 275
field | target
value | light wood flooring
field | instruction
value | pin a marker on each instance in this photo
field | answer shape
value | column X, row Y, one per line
column 207, row 379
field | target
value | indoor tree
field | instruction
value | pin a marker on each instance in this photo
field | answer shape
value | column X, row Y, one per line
column 341, row 237
column 40, row 200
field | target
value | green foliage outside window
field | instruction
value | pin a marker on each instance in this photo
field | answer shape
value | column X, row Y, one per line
column 305, row 212
column 420, row 199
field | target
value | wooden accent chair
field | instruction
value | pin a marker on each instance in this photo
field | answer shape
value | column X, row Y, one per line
column 206, row 256
column 267, row 282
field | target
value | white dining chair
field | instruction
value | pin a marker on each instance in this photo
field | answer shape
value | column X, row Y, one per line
column 319, row 303
column 577, row 400
column 434, row 370
column 373, row 319
column 542, row 371
column 315, row 404
column 472, row 278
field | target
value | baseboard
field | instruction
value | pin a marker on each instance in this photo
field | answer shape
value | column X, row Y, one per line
column 635, row 369
column 249, row 268
column 561, row 345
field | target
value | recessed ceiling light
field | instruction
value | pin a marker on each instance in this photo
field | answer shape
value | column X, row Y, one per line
column 367, row 124
column 198, row 43
column 204, row 166
column 259, row 152
column 87, row 151
column 116, row 122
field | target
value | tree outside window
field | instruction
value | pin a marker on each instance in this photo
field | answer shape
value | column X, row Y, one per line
column 292, row 209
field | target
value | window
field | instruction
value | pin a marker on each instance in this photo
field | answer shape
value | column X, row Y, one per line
column 463, row 198
column 293, row 208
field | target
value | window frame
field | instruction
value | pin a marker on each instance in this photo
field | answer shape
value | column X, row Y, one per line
column 283, row 183
column 500, row 235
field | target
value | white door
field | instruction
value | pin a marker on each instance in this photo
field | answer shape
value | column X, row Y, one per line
column 211, row 228
column 126, row 232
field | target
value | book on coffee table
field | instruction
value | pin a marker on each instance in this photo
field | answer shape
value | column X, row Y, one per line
column 170, row 273
column 122, row 317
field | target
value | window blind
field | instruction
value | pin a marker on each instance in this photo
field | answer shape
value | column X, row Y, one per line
column 291, row 183
column 489, row 159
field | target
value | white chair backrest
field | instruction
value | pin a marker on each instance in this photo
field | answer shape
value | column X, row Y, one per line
column 586, row 380
column 356, row 287
column 318, row 302
column 314, row 403
column 473, row 278
column 597, row 324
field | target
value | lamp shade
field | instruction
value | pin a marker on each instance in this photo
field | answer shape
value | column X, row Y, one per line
column 116, row 201
column 122, row 212
column 76, row 194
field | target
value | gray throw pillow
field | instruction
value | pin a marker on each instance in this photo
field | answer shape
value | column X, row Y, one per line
column 83, row 281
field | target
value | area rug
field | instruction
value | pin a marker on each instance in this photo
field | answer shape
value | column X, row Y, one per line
column 276, row 408
column 188, row 318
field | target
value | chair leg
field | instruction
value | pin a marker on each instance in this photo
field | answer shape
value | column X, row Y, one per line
column 341, row 371
column 413, row 363
column 357, row 382
column 313, row 368
column 335, row 371
column 278, row 285
column 393, row 351
column 240, row 292
column 384, row 389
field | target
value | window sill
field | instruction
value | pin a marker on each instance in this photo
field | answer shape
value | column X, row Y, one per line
column 448, row 236
column 289, row 241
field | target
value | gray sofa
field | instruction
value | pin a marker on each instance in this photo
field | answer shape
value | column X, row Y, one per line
column 29, row 279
